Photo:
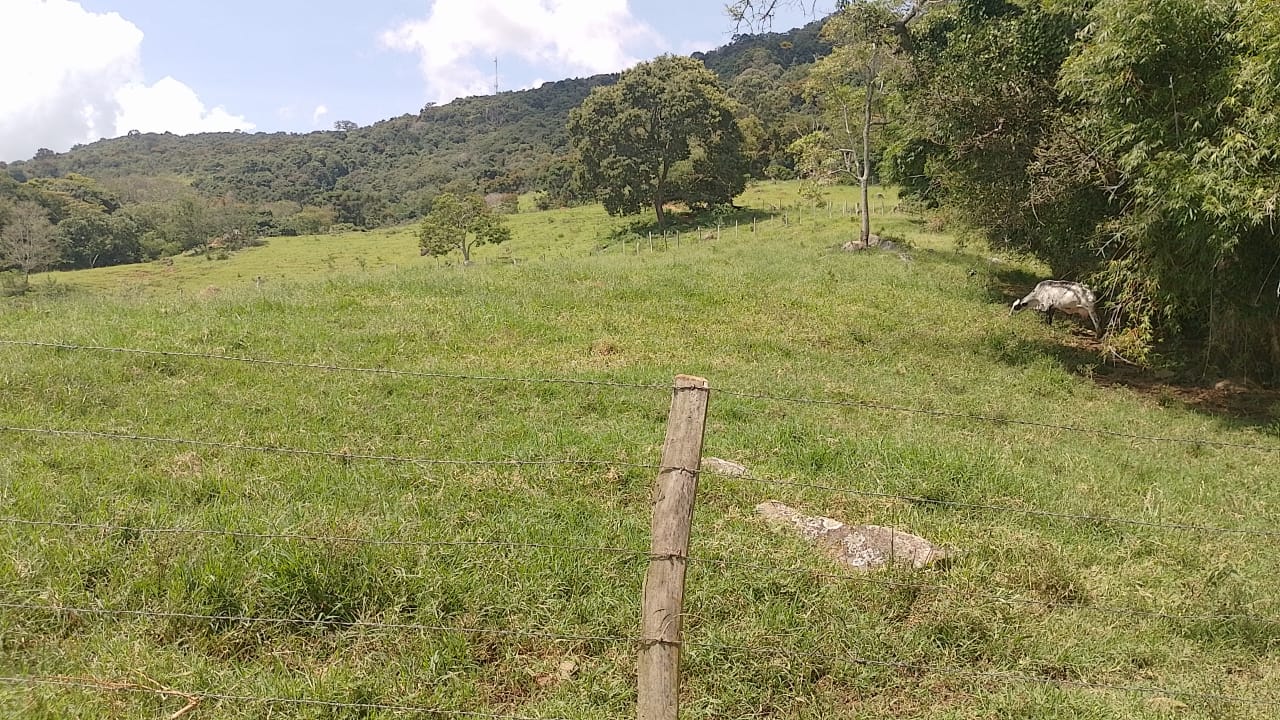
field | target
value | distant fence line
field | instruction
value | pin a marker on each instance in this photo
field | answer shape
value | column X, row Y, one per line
column 995, row 420
column 867, row 579
column 330, row 454
column 655, row 650
column 299, row 537
column 313, row 622
column 1078, row 517
column 334, row 368
column 958, row 672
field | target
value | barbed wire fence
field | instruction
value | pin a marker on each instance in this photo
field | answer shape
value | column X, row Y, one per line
column 663, row 636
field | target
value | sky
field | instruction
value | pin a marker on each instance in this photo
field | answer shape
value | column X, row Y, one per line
column 75, row 71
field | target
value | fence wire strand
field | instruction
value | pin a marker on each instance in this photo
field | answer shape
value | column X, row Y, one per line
column 745, row 394
column 772, row 651
column 319, row 622
column 347, row 456
column 634, row 553
column 335, row 455
column 337, row 368
column 1079, row 517
column 341, row 539
column 990, row 419
column 988, row 597
column 88, row 684
column 991, row 674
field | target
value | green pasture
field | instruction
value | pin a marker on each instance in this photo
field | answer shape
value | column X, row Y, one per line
column 507, row 579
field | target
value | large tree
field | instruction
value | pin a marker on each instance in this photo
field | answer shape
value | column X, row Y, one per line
column 27, row 239
column 459, row 223
column 665, row 131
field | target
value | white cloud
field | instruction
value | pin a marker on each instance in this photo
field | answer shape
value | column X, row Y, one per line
column 318, row 113
column 170, row 105
column 75, row 76
column 458, row 40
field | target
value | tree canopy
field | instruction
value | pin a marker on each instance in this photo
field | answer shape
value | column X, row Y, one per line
column 850, row 88
column 666, row 131
column 26, row 237
column 460, row 223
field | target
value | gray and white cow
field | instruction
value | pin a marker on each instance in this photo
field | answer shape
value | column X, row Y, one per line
column 1052, row 296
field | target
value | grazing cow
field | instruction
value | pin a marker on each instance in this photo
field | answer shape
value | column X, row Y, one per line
column 1071, row 298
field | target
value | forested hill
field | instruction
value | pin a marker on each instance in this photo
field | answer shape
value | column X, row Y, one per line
column 508, row 142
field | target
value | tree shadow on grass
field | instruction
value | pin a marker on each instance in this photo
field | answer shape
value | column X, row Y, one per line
column 1008, row 284
column 1234, row 404
column 697, row 224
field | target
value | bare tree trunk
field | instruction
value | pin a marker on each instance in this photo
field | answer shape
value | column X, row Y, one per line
column 466, row 252
column 864, row 176
column 661, row 185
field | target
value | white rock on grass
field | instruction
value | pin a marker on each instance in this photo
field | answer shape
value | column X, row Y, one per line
column 724, row 467
column 862, row 547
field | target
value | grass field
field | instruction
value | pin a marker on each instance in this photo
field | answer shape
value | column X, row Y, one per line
column 1039, row 617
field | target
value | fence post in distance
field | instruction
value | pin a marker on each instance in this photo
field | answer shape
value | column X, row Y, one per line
column 661, row 616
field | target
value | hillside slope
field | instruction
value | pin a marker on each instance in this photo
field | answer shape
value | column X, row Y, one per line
column 498, row 143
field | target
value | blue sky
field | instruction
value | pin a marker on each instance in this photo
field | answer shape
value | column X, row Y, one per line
column 99, row 68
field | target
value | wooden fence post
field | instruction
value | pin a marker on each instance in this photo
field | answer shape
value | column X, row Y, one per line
column 661, row 616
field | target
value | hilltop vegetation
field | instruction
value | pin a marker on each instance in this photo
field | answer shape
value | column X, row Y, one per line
column 509, row 142
column 147, row 196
